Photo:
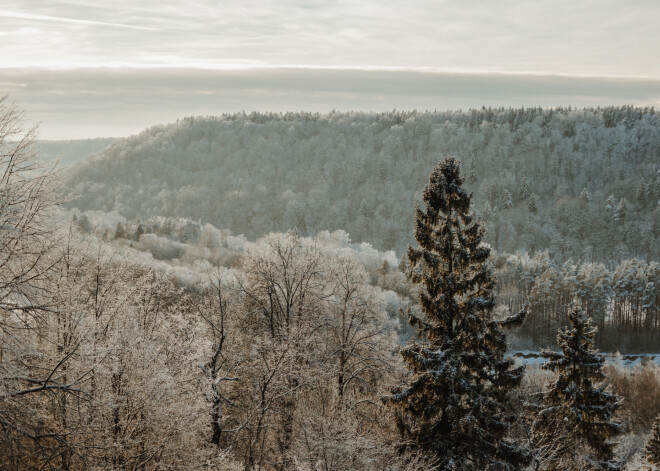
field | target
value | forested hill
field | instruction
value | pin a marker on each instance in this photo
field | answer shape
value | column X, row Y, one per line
column 583, row 183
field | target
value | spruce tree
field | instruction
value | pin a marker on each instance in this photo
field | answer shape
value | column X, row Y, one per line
column 584, row 196
column 531, row 204
column 652, row 451
column 139, row 231
column 523, row 190
column 120, row 233
column 576, row 411
column 472, row 174
column 454, row 409
column 620, row 211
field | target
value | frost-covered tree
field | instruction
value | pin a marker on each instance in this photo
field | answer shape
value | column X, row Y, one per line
column 610, row 204
column 316, row 347
column 454, row 407
column 30, row 376
column 576, row 412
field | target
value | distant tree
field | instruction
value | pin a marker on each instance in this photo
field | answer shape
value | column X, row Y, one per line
column 576, row 413
column 84, row 225
column 455, row 405
column 523, row 190
column 610, row 204
column 531, row 204
column 120, row 232
column 620, row 211
column 138, row 232
column 364, row 209
column 584, row 196
column 641, row 192
column 472, row 174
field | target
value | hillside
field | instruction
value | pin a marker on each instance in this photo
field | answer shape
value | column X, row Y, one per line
column 591, row 175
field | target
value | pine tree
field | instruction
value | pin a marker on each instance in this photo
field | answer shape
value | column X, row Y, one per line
column 610, row 204
column 531, row 204
column 584, row 196
column 472, row 174
column 84, row 225
column 640, row 194
column 652, row 451
column 138, row 232
column 575, row 410
column 620, row 212
column 523, row 190
column 120, row 233
column 455, row 407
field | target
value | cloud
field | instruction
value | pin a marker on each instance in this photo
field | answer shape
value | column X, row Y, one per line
column 593, row 37
column 28, row 16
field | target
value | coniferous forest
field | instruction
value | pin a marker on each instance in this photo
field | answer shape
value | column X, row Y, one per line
column 347, row 291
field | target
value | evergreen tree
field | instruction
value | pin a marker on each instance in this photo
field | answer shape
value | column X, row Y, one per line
column 455, row 407
column 364, row 209
column 531, row 204
column 652, row 451
column 620, row 212
column 84, row 225
column 472, row 174
column 523, row 190
column 138, row 232
column 610, row 204
column 575, row 410
column 584, row 196
column 494, row 193
column 120, row 233
column 640, row 194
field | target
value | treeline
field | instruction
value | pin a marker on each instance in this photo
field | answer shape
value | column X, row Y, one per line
column 581, row 183
column 623, row 301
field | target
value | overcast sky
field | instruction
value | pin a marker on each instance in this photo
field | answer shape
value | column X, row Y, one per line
column 414, row 53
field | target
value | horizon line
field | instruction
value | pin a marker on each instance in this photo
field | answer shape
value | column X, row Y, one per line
column 237, row 67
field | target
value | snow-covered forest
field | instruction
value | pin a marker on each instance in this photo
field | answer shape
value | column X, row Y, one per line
column 233, row 293
column 569, row 197
column 581, row 183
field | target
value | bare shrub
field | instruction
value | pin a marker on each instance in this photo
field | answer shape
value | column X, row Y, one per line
column 639, row 389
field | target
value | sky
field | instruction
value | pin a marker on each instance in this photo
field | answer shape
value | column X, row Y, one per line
column 84, row 68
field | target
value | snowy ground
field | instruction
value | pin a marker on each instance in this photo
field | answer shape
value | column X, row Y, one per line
column 534, row 359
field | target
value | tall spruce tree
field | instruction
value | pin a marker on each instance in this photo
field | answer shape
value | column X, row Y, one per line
column 454, row 409
column 576, row 412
